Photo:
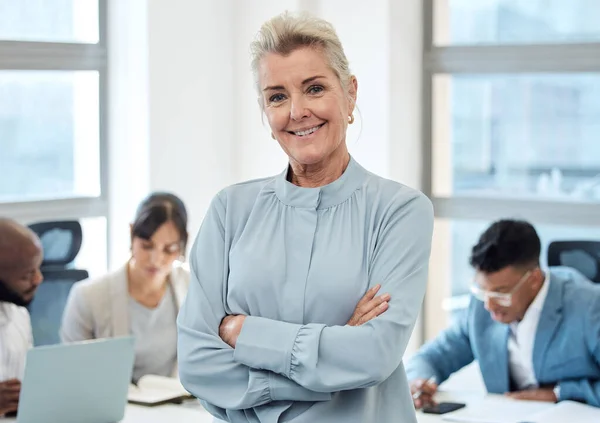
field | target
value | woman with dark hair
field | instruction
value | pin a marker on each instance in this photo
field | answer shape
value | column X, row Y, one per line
column 141, row 298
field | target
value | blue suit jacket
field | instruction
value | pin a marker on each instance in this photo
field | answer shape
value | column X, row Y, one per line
column 566, row 347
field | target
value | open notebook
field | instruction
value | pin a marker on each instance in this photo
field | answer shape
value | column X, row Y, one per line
column 156, row 390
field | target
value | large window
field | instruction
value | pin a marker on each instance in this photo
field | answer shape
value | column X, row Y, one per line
column 470, row 22
column 71, row 21
column 512, row 127
column 53, row 147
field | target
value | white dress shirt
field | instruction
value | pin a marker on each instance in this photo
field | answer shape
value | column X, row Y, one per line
column 521, row 340
column 15, row 339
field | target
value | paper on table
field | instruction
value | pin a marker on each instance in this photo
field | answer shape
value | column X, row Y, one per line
column 564, row 412
column 497, row 409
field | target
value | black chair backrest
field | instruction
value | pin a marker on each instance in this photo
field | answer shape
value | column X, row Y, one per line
column 61, row 242
column 583, row 256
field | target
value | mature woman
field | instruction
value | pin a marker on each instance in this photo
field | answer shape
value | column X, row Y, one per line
column 141, row 298
column 280, row 263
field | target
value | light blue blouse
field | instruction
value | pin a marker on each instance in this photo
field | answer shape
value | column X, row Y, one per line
column 296, row 261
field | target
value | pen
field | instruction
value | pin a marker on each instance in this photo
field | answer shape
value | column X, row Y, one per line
column 420, row 391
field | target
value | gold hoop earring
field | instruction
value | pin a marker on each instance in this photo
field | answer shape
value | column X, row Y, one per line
column 350, row 119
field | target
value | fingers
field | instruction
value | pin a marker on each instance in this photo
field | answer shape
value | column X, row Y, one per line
column 11, row 396
column 371, row 305
column 522, row 395
column 423, row 400
column 11, row 383
column 370, row 294
column 526, row 397
column 10, row 390
column 422, row 392
column 428, row 388
column 518, row 394
column 377, row 306
column 363, row 306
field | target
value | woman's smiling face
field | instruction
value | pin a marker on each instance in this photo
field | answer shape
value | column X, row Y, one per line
column 305, row 104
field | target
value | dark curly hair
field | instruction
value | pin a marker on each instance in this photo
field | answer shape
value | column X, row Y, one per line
column 506, row 243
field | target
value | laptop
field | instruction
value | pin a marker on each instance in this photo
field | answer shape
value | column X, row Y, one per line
column 79, row 382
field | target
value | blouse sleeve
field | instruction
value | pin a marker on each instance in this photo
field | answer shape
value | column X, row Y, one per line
column 207, row 368
column 330, row 359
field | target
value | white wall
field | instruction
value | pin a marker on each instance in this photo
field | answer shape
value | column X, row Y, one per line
column 257, row 154
column 192, row 100
column 128, row 120
column 405, row 51
column 363, row 28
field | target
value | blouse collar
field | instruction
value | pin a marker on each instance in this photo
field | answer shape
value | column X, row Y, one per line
column 323, row 197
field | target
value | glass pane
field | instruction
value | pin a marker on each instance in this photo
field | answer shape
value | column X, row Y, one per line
column 457, row 237
column 49, row 142
column 532, row 136
column 516, row 21
column 73, row 21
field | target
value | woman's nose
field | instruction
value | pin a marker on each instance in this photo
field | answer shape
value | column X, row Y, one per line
column 298, row 111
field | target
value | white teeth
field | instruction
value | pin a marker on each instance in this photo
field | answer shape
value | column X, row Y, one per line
column 308, row 131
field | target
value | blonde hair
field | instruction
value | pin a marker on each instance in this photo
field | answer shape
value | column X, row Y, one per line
column 288, row 32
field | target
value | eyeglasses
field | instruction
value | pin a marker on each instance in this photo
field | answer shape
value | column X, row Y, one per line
column 503, row 299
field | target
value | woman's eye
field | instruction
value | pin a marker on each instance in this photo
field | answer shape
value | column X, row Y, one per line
column 275, row 98
column 315, row 89
column 172, row 250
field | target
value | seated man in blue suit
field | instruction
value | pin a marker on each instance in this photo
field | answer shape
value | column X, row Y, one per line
column 534, row 333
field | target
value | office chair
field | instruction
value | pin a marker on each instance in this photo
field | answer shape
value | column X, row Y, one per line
column 61, row 242
column 583, row 256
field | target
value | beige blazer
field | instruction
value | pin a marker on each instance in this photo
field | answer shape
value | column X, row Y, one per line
column 98, row 308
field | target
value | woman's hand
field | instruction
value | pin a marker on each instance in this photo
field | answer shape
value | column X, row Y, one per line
column 369, row 307
column 230, row 329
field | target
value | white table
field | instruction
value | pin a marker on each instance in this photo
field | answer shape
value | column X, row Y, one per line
column 170, row 413
column 450, row 396
column 193, row 412
column 483, row 404
column 166, row 414
column 466, row 386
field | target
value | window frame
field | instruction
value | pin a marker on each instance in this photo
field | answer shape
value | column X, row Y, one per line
column 503, row 59
column 34, row 55
column 557, row 58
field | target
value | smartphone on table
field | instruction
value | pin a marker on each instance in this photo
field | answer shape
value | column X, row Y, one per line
column 442, row 407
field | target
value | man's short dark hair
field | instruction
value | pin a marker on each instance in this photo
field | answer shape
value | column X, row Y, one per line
column 506, row 243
